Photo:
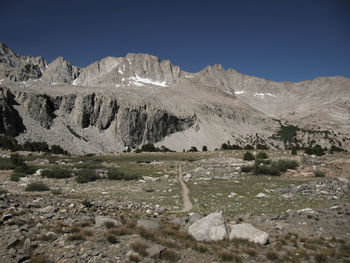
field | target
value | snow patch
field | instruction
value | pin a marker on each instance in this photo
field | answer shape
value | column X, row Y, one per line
column 120, row 71
column 262, row 95
column 75, row 82
column 188, row 76
column 139, row 81
column 1, row 80
column 239, row 92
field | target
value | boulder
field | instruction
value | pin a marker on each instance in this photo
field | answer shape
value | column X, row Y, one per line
column 248, row 232
column 209, row 228
column 155, row 250
column 101, row 220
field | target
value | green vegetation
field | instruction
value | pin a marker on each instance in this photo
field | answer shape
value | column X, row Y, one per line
column 86, row 175
column 6, row 164
column 58, row 173
column 248, row 156
column 9, row 143
column 319, row 173
column 228, row 146
column 37, row 186
column 149, row 147
column 262, row 155
column 268, row 167
column 204, row 148
column 116, row 174
column 193, row 149
column 316, row 150
column 15, row 176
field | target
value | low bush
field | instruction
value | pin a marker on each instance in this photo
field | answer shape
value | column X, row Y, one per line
column 37, row 186
column 263, row 161
column 294, row 151
column 275, row 168
column 248, row 156
column 262, row 155
column 6, row 164
column 26, row 169
column 319, row 173
column 3, row 191
column 247, row 168
column 115, row 174
column 58, row 173
column 86, row 175
column 15, row 176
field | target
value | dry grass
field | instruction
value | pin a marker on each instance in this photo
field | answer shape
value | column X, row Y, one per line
column 121, row 230
column 76, row 236
column 40, row 259
column 169, row 255
column 135, row 258
column 140, row 247
column 271, row 255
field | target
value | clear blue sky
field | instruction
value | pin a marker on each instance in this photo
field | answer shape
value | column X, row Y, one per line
column 278, row 39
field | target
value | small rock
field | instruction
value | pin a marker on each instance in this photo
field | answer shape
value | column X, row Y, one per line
column 261, row 195
column 6, row 217
column 13, row 241
column 155, row 250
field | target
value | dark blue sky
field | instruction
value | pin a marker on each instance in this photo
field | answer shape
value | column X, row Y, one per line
column 278, row 40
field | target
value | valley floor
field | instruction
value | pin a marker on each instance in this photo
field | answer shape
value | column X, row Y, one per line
column 306, row 217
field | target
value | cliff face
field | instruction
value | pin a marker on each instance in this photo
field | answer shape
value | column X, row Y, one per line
column 10, row 121
column 137, row 99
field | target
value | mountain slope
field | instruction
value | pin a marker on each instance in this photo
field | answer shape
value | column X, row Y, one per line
column 125, row 102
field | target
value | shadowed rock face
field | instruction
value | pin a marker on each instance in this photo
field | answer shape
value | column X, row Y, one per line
column 137, row 99
column 10, row 121
column 132, row 125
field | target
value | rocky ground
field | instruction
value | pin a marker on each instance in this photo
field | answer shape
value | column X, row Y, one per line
column 295, row 217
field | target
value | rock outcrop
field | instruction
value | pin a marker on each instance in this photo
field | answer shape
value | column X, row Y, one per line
column 10, row 121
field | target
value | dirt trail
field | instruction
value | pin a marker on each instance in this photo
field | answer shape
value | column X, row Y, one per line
column 185, row 193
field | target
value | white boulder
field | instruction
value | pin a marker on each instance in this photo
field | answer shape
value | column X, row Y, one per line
column 248, row 232
column 209, row 228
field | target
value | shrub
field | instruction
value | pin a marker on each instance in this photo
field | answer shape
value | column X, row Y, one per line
column 262, row 155
column 56, row 149
column 37, row 186
column 3, row 191
column 247, row 169
column 284, row 165
column 9, row 143
column 115, row 174
column 248, row 147
column 120, row 230
column 15, row 176
column 193, row 149
column 275, row 168
column 248, row 156
column 25, row 169
column 16, row 159
column 109, row 224
column 149, row 147
column 86, row 175
column 261, row 147
column 204, row 148
column 86, row 203
column 272, row 255
column 294, row 151
column 57, row 173
column 319, row 173
column 6, row 164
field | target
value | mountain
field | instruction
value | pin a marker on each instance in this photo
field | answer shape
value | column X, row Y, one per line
column 129, row 101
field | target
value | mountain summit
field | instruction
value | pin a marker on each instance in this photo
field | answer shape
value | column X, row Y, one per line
column 129, row 101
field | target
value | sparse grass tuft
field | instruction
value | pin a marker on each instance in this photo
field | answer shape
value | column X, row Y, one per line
column 135, row 258
column 40, row 259
column 109, row 224
column 140, row 247
column 121, row 230
column 76, row 236
column 111, row 238
column 15, row 176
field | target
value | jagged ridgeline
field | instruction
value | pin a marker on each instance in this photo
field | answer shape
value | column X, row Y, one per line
column 136, row 100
